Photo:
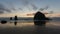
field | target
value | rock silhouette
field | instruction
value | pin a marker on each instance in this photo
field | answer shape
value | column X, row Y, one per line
column 15, row 18
column 39, row 18
column 3, row 22
column 10, row 18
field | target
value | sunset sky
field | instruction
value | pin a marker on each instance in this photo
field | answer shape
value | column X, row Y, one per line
column 22, row 7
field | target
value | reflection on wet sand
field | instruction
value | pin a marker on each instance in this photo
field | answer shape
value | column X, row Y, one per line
column 40, row 23
column 23, row 22
column 15, row 23
column 27, row 28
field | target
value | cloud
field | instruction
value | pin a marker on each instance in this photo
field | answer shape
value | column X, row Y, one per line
column 25, row 2
column 41, row 9
column 13, row 6
column 3, row 9
column 29, row 4
column 20, row 9
column 34, row 7
column 45, row 8
column 1, row 12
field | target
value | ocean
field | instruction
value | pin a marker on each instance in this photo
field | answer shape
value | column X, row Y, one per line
column 26, row 26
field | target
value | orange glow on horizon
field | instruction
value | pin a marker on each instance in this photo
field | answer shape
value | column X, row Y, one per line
column 34, row 14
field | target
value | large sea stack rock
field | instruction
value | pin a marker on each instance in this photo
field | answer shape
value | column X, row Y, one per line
column 39, row 18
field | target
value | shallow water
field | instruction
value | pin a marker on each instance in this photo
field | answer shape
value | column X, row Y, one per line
column 28, row 27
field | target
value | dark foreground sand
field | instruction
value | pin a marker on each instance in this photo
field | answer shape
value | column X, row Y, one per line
column 29, row 30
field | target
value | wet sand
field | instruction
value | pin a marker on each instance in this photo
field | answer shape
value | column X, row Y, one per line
column 28, row 28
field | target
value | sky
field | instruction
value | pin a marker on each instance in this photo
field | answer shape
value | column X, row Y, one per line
column 18, row 7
